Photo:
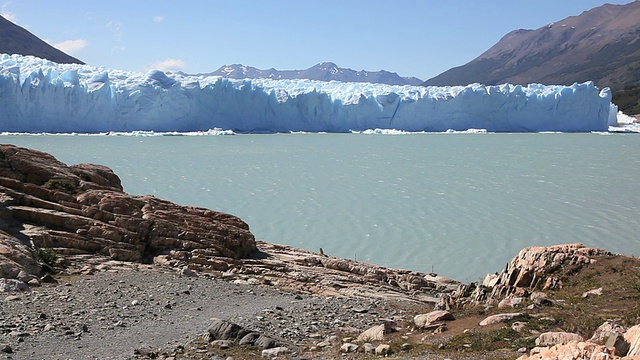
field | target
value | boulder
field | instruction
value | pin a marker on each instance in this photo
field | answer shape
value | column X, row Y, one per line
column 617, row 344
column 518, row 326
column 540, row 298
column 424, row 320
column 221, row 344
column 511, row 301
column 570, row 351
column 574, row 349
column 369, row 348
column 223, row 330
column 383, row 350
column 557, row 338
column 592, row 292
column 249, row 339
column 12, row 285
column 604, row 331
column 349, row 348
column 499, row 318
column 632, row 336
column 275, row 352
column 376, row 333
column 265, row 342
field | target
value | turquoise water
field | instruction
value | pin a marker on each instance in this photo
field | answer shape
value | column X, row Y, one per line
column 461, row 205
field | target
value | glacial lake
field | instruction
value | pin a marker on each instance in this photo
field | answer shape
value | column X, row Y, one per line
column 461, row 205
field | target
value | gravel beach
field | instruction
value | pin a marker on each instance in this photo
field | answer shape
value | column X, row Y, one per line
column 113, row 313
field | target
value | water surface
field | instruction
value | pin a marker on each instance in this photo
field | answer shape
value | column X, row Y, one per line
column 461, row 205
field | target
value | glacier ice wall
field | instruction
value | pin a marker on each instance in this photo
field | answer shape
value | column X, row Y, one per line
column 37, row 95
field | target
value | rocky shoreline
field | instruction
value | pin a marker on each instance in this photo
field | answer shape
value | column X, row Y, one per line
column 90, row 272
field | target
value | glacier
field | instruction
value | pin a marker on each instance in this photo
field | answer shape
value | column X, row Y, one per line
column 37, row 95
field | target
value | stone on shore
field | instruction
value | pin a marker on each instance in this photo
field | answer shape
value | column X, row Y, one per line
column 349, row 348
column 632, row 336
column 275, row 352
column 570, row 346
column 499, row 318
column 424, row 320
column 376, row 333
column 570, row 351
column 383, row 350
column 557, row 338
column 604, row 331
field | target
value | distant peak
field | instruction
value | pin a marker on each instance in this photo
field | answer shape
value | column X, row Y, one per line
column 324, row 71
column 327, row 64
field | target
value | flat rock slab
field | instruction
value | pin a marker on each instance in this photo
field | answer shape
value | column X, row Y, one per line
column 499, row 318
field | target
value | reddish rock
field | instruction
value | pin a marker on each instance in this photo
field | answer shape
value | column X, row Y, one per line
column 533, row 269
column 632, row 337
column 82, row 209
column 424, row 320
column 568, row 346
column 571, row 351
column 376, row 333
column 604, row 331
column 499, row 318
column 557, row 338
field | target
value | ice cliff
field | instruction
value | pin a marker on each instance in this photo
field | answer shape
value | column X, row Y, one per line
column 37, row 95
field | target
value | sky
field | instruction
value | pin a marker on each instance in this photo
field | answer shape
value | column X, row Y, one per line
column 420, row 38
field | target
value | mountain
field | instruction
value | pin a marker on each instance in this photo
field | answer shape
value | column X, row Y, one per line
column 325, row 71
column 17, row 40
column 602, row 44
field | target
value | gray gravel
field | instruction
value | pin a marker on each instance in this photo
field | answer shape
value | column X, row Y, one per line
column 110, row 314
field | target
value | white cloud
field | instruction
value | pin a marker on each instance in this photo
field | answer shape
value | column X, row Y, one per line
column 158, row 18
column 115, row 49
column 168, row 65
column 72, row 47
column 8, row 14
column 117, row 28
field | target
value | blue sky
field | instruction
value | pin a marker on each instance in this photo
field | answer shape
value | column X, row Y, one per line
column 419, row 38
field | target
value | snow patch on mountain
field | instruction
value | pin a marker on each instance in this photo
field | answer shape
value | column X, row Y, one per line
column 325, row 71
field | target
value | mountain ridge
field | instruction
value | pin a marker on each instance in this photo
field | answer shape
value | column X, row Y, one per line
column 325, row 71
column 15, row 39
column 601, row 45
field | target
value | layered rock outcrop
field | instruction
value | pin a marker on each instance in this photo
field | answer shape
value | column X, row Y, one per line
column 82, row 213
column 534, row 268
column 82, row 209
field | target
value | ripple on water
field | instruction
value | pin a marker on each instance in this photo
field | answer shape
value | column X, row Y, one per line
column 462, row 205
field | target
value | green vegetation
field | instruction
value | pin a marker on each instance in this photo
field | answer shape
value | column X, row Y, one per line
column 47, row 256
column 503, row 338
column 628, row 99
column 64, row 185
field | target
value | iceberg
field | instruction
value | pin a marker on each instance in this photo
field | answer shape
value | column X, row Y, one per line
column 37, row 95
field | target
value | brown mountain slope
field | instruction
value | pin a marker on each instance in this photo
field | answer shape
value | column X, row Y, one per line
column 16, row 40
column 602, row 44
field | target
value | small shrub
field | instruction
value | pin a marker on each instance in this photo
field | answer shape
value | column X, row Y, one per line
column 47, row 256
column 64, row 185
column 489, row 340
